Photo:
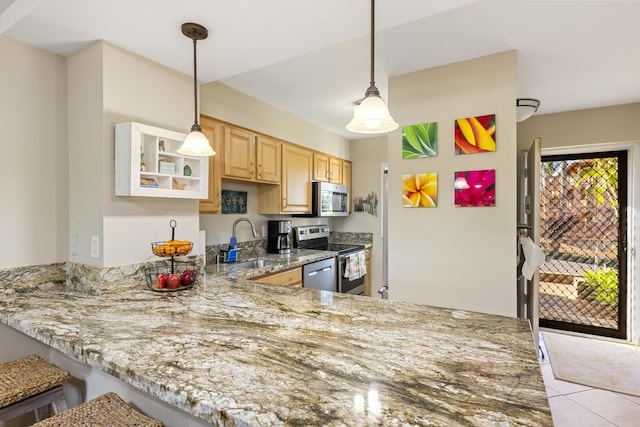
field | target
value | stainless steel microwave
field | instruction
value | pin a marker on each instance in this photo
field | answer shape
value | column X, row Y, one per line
column 328, row 200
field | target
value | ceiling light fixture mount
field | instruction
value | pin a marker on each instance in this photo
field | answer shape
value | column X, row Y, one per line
column 196, row 143
column 371, row 115
column 525, row 107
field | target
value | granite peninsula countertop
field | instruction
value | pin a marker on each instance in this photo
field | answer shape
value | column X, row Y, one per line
column 236, row 352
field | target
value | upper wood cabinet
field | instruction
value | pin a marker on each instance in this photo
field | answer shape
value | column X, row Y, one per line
column 294, row 193
column 250, row 157
column 268, row 155
column 346, row 179
column 296, row 179
column 327, row 168
column 244, row 155
column 213, row 130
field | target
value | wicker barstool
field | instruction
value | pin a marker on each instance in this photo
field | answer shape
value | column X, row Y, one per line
column 31, row 384
column 105, row 410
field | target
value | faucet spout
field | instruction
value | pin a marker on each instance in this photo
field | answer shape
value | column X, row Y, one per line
column 253, row 227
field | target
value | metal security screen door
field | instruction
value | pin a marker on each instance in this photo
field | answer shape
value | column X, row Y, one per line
column 583, row 283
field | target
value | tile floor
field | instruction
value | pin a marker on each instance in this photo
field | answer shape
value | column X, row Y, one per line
column 581, row 406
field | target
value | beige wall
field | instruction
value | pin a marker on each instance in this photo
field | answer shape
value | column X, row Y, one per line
column 86, row 163
column 461, row 258
column 33, row 134
column 367, row 156
column 618, row 123
column 224, row 103
column 109, row 85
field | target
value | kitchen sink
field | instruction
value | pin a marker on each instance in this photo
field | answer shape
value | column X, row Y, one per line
column 256, row 263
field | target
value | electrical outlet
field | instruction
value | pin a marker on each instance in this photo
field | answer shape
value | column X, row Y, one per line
column 74, row 245
column 264, row 230
column 95, row 246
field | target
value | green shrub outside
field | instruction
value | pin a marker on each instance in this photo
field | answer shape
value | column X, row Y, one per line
column 605, row 285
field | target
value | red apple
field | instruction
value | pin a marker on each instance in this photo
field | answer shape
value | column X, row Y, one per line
column 173, row 281
column 188, row 277
column 161, row 281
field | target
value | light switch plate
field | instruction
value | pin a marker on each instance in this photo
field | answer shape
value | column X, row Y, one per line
column 74, row 245
column 95, row 246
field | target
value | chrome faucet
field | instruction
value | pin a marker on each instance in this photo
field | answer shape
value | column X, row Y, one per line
column 253, row 227
column 232, row 254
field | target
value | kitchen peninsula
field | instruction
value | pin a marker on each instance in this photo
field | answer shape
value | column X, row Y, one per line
column 235, row 352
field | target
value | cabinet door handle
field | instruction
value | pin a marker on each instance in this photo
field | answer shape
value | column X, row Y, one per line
column 284, row 202
column 251, row 168
column 218, row 196
column 259, row 170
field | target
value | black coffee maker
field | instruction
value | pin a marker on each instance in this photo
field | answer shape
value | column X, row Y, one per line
column 278, row 237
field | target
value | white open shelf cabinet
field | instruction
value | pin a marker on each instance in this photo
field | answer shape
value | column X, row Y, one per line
column 147, row 164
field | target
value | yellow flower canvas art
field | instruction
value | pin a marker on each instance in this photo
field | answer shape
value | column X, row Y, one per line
column 420, row 190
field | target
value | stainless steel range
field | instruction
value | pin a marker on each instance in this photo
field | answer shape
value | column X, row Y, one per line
column 317, row 237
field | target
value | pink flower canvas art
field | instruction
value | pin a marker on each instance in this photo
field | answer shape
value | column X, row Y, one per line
column 475, row 188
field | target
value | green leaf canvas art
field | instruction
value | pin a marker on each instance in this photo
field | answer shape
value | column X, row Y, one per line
column 420, row 140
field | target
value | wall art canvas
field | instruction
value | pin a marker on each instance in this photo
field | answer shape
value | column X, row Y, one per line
column 475, row 188
column 368, row 203
column 420, row 190
column 234, row 202
column 420, row 140
column 475, row 134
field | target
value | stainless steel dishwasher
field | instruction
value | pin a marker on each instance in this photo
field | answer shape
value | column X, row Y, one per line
column 320, row 275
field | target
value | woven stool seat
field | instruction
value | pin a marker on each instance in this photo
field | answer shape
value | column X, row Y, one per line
column 107, row 410
column 28, row 384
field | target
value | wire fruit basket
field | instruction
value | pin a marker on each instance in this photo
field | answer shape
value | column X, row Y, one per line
column 167, row 278
column 174, row 276
column 171, row 248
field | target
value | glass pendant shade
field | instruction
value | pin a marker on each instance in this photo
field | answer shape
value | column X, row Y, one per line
column 196, row 144
column 372, row 116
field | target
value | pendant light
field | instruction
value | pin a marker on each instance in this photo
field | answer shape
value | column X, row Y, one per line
column 195, row 144
column 371, row 115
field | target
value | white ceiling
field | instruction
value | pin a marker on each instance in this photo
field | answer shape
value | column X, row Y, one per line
column 311, row 57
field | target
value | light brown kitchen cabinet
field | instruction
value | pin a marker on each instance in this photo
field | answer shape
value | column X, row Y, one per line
column 346, row 180
column 294, row 193
column 367, row 277
column 296, row 179
column 268, row 156
column 335, row 170
column 327, row 168
column 239, row 153
column 250, row 157
column 292, row 277
column 320, row 167
column 213, row 130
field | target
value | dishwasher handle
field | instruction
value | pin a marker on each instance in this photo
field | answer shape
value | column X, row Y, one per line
column 322, row 270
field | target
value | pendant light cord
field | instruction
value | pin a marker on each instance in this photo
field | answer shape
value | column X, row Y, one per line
column 195, row 88
column 373, row 14
column 372, row 90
